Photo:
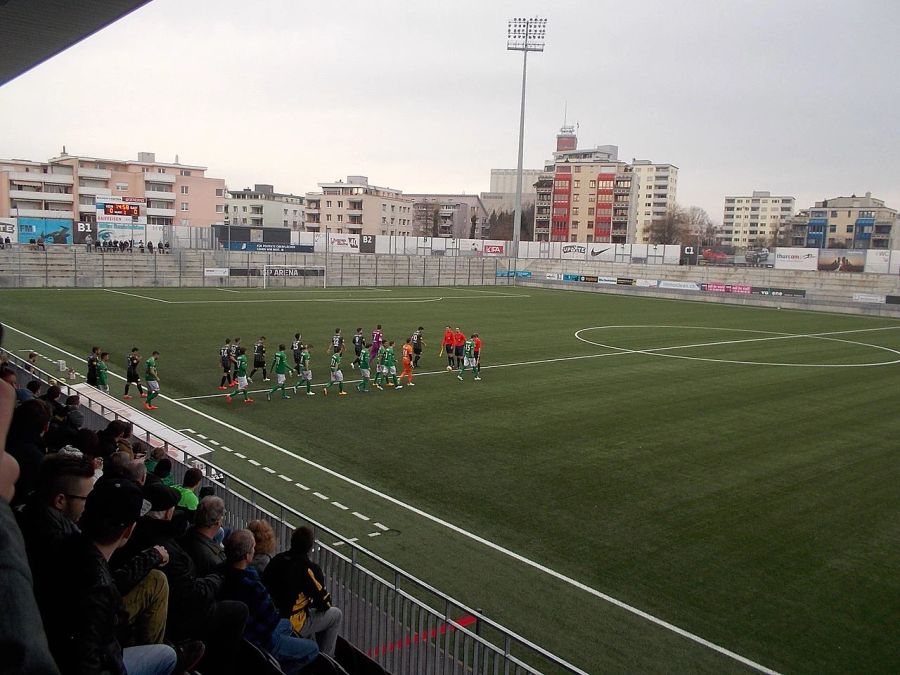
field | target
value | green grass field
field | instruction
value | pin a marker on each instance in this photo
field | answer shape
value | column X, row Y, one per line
column 733, row 471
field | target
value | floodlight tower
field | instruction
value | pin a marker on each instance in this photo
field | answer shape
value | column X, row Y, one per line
column 523, row 35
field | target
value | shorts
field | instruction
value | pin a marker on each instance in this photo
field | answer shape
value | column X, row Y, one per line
column 297, row 358
column 460, row 351
column 390, row 370
column 153, row 385
column 131, row 378
column 307, row 375
column 470, row 362
column 337, row 376
column 364, row 372
column 242, row 381
column 417, row 350
column 103, row 387
column 280, row 378
column 259, row 364
column 379, row 369
column 226, row 367
column 477, row 355
column 449, row 349
column 358, row 349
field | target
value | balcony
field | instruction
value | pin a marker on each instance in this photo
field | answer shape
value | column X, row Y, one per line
column 43, row 196
column 165, row 213
column 96, row 191
column 95, row 173
column 42, row 213
column 33, row 177
column 354, row 212
column 159, row 178
column 164, row 196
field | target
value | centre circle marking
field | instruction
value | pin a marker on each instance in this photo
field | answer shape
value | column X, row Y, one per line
column 660, row 351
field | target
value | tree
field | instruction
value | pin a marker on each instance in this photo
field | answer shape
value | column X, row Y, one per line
column 474, row 225
column 701, row 227
column 435, row 220
column 673, row 228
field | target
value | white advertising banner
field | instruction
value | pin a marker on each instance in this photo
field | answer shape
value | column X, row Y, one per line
column 601, row 252
column 868, row 297
column 607, row 280
column 796, row 258
column 680, row 285
column 343, row 243
column 9, row 229
column 672, row 255
column 552, row 276
column 895, row 263
column 215, row 271
column 639, row 253
column 647, row 283
column 573, row 252
column 878, row 261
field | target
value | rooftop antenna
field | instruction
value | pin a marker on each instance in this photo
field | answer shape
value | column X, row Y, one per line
column 176, row 159
column 565, row 113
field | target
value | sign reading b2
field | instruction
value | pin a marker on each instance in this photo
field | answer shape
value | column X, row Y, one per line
column 367, row 243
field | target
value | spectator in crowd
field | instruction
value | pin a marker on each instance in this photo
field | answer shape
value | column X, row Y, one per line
column 194, row 612
column 159, row 247
column 23, row 643
column 74, row 416
column 88, row 242
column 124, row 442
column 29, row 391
column 117, row 465
column 25, row 442
column 83, row 637
column 264, row 537
column 51, row 397
column 86, row 440
column 9, row 376
column 32, row 361
column 149, row 247
column 163, row 472
column 188, row 489
column 199, row 542
column 265, row 628
column 40, row 243
column 153, row 458
column 110, row 436
column 298, row 587
column 65, row 424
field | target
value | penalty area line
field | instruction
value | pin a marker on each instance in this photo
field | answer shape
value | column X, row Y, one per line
column 450, row 526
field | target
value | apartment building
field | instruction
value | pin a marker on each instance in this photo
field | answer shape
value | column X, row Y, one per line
column 355, row 207
column 456, row 215
column 657, row 187
column 502, row 195
column 65, row 189
column 845, row 222
column 756, row 219
column 585, row 195
column 263, row 207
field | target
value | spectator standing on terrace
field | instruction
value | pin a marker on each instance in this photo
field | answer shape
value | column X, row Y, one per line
column 40, row 243
column 88, row 242
column 9, row 376
column 150, row 247
column 265, row 627
column 103, row 372
column 108, row 439
column 25, row 443
column 264, row 538
column 83, row 637
column 74, row 416
column 152, row 377
column 199, row 542
column 32, row 361
column 298, row 588
column 131, row 374
column 92, row 360
column 188, row 489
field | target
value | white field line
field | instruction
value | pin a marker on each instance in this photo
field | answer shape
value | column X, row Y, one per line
column 227, row 290
column 269, row 470
column 454, row 528
column 254, row 462
column 135, row 295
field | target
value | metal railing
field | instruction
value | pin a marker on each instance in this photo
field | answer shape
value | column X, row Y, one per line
column 398, row 620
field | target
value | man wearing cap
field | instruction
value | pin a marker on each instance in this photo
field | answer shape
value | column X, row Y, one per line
column 83, row 637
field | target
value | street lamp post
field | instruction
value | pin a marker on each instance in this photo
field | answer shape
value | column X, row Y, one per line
column 523, row 35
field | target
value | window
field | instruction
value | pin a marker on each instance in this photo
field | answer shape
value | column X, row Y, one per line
column 285, row 212
column 219, row 208
column 328, row 203
column 160, row 171
column 328, row 217
column 593, row 184
column 219, row 192
column 576, row 184
column 340, row 205
column 591, row 211
column 184, row 206
column 832, row 228
column 574, row 224
column 185, row 172
column 340, row 218
column 184, row 189
column 849, row 229
column 245, row 209
column 284, row 222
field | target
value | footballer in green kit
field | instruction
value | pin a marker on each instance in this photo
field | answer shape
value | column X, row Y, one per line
column 469, row 360
column 364, row 371
column 380, row 375
column 337, row 377
column 241, row 375
column 281, row 368
column 390, row 366
column 304, row 370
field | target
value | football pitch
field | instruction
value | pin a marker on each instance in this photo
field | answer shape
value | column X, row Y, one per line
column 638, row 485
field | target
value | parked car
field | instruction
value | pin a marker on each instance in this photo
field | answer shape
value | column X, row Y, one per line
column 756, row 256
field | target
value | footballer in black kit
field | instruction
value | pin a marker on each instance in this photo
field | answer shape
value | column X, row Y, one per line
column 225, row 353
column 359, row 343
column 297, row 352
column 417, row 343
column 132, row 376
column 259, row 358
column 337, row 341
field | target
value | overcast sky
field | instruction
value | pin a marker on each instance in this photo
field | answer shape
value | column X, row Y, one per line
column 799, row 97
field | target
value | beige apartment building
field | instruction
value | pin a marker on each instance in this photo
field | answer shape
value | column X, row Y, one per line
column 456, row 215
column 589, row 195
column 758, row 219
column 845, row 222
column 65, row 188
column 263, row 207
column 355, row 207
column 502, row 195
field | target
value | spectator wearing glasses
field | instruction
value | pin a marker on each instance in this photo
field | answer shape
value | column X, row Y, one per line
column 199, row 542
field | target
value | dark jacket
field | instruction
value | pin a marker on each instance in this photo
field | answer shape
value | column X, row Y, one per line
column 296, row 584
column 45, row 530
column 191, row 596
column 206, row 554
column 28, row 449
column 86, row 612
column 245, row 586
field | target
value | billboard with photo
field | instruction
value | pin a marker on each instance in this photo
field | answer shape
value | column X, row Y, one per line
column 796, row 258
column 841, row 260
column 53, row 230
column 716, row 255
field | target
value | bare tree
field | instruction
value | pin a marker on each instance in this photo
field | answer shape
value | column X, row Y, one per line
column 701, row 227
column 673, row 228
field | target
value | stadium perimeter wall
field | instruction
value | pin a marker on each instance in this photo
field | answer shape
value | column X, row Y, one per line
column 66, row 267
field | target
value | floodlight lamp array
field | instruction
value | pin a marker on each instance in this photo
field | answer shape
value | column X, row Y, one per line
column 526, row 34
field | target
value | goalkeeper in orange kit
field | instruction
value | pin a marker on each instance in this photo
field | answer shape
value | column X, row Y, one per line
column 407, row 363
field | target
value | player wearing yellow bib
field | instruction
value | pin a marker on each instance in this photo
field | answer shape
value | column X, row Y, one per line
column 337, row 377
column 280, row 366
column 469, row 360
column 305, row 372
column 364, row 372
